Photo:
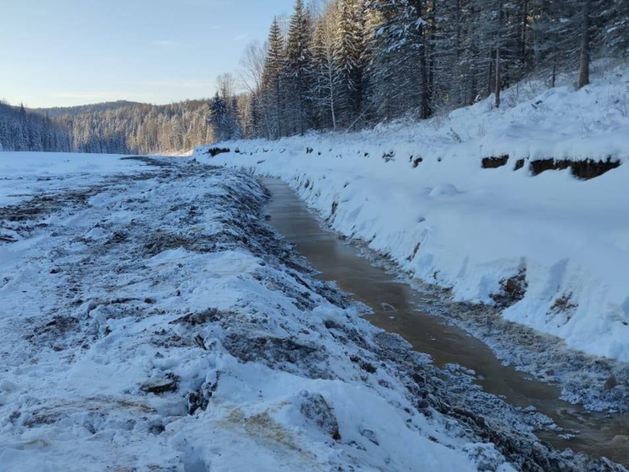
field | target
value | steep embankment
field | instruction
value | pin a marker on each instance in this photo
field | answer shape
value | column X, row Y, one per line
column 465, row 202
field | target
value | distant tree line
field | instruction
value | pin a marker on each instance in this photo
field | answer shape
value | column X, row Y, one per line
column 343, row 64
column 123, row 128
column 21, row 130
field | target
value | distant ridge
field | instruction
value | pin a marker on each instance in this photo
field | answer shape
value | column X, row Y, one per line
column 120, row 127
column 82, row 109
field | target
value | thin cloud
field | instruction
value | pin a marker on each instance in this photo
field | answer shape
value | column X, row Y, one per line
column 96, row 95
column 177, row 83
column 166, row 43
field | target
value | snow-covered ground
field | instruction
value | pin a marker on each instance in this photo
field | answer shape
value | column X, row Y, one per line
column 151, row 321
column 552, row 249
column 25, row 174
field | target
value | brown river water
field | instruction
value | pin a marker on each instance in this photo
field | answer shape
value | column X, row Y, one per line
column 398, row 308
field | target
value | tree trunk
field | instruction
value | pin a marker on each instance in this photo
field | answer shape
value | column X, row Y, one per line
column 584, row 67
column 459, row 99
column 554, row 76
column 497, row 78
column 300, row 88
column 431, row 63
column 426, row 112
column 278, row 104
column 498, row 46
column 490, row 77
column 524, row 26
column 332, row 97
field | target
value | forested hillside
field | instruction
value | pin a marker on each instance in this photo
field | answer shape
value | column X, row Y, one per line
column 141, row 128
column 352, row 63
column 82, row 109
column 123, row 128
column 22, row 130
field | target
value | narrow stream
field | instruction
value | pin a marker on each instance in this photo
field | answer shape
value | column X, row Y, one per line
column 397, row 308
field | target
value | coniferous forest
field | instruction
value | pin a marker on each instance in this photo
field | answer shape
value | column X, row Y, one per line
column 119, row 128
column 346, row 64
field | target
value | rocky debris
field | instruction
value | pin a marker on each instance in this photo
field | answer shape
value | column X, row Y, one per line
column 366, row 366
column 314, row 407
column 159, row 386
column 55, row 334
column 151, row 161
column 215, row 151
column 211, row 315
column 563, row 306
column 7, row 238
column 279, row 353
column 583, row 169
column 611, row 382
column 512, row 290
column 200, row 399
column 56, row 327
column 417, row 161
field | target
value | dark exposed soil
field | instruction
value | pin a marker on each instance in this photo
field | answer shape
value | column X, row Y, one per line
column 586, row 169
column 581, row 169
column 494, row 162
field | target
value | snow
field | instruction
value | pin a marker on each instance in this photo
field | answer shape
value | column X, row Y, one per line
column 151, row 321
column 24, row 174
column 450, row 222
column 96, row 299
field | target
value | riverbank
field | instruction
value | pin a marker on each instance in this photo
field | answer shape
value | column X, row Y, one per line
column 495, row 291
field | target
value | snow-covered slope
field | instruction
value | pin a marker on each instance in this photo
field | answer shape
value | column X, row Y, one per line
column 553, row 249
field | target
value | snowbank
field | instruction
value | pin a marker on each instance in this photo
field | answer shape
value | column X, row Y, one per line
column 419, row 194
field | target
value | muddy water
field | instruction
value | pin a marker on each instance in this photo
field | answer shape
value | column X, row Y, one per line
column 397, row 308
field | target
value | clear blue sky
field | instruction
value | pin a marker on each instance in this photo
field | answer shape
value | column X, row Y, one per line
column 72, row 52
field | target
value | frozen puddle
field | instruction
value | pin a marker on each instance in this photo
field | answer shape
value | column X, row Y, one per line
column 397, row 308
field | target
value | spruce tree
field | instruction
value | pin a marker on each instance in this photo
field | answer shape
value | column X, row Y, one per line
column 326, row 75
column 348, row 55
column 272, row 81
column 219, row 118
column 298, row 69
